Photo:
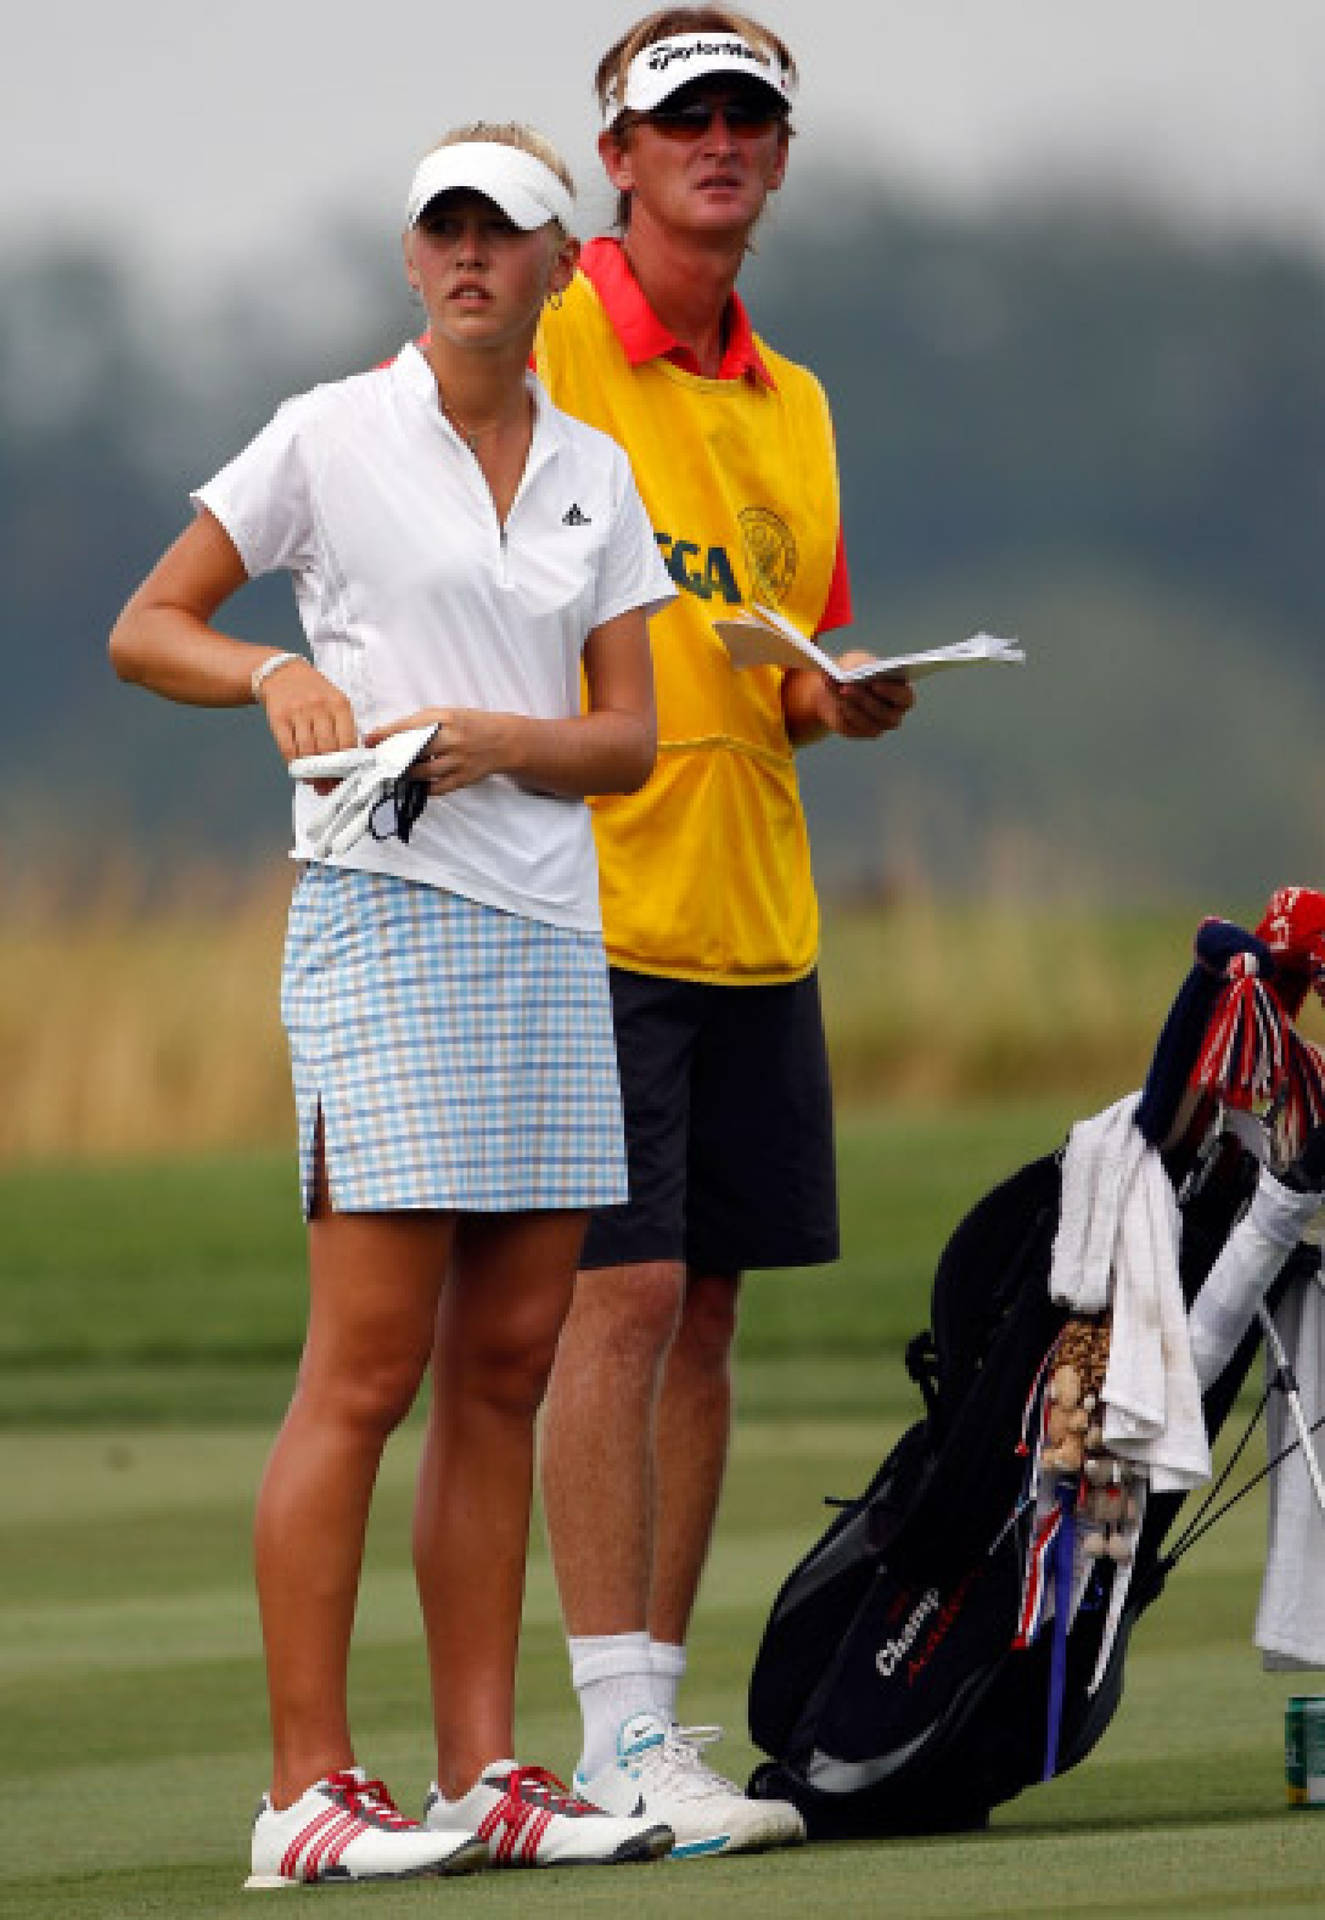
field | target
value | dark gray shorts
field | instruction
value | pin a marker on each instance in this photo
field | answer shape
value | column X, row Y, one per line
column 729, row 1128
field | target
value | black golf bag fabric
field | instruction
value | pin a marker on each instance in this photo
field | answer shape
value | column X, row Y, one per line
column 887, row 1689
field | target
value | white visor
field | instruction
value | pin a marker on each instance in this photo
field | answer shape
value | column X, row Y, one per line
column 659, row 70
column 528, row 193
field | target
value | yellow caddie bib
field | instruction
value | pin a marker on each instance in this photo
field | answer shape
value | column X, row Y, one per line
column 705, row 873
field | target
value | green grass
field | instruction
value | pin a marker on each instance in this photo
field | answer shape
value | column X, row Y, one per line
column 131, row 1697
column 175, row 1291
column 150, row 1318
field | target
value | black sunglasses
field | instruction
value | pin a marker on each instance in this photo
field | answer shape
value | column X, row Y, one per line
column 691, row 118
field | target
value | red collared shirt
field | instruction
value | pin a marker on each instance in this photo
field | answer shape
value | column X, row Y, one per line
column 644, row 337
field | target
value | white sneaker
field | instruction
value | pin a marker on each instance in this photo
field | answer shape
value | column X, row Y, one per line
column 658, row 1775
column 347, row 1827
column 528, row 1818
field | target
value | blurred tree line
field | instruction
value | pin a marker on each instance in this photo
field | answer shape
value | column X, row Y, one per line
column 1071, row 424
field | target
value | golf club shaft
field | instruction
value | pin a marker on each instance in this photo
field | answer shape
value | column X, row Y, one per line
column 1289, row 1386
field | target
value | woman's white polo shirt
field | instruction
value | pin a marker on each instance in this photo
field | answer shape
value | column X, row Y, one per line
column 413, row 595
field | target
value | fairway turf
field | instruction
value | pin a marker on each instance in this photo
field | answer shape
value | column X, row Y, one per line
column 149, row 1325
column 131, row 1697
column 174, row 1292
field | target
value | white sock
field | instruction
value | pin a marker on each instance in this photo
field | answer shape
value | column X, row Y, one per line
column 613, row 1676
column 669, row 1664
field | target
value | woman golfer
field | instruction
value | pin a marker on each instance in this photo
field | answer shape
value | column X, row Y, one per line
column 460, row 551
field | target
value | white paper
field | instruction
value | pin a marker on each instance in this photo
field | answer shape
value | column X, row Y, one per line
column 763, row 638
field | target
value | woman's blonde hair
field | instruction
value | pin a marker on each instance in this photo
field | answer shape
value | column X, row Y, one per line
column 513, row 133
column 609, row 79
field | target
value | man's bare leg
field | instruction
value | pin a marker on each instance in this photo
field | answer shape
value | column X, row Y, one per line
column 598, row 1442
column 690, row 1452
column 645, row 1369
column 599, row 1486
column 630, row 1523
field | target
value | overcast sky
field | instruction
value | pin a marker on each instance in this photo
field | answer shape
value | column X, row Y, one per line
column 197, row 137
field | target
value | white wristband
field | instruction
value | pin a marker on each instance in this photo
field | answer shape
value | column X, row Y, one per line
column 272, row 664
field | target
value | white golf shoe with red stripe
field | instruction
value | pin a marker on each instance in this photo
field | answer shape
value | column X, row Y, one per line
column 347, row 1827
column 528, row 1818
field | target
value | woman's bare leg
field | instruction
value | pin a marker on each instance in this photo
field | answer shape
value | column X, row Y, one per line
column 497, row 1325
column 374, row 1285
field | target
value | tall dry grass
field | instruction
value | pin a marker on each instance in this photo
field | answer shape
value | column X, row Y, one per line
column 143, row 1021
column 138, row 1021
column 934, row 1000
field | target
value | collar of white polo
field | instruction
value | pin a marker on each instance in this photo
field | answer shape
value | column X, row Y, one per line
column 658, row 70
column 527, row 191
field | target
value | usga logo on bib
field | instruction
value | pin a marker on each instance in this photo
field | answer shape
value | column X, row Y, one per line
column 702, row 571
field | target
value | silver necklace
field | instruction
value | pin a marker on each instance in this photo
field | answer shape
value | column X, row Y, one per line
column 470, row 435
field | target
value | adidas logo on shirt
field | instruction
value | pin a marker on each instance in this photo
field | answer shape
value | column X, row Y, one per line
column 574, row 518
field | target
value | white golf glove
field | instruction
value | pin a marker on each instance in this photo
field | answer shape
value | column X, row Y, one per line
column 367, row 776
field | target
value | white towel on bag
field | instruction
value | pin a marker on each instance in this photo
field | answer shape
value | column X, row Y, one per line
column 1117, row 1245
column 1098, row 1162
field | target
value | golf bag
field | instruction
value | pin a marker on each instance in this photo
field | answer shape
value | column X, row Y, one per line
column 897, row 1687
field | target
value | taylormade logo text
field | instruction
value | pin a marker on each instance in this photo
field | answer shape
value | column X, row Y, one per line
column 892, row 1653
column 662, row 58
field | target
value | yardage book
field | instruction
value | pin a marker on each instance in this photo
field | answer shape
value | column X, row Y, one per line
column 762, row 638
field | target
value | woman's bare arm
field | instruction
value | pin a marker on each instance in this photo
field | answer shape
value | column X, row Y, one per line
column 164, row 640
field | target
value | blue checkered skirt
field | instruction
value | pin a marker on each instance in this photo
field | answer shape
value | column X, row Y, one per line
column 461, row 1058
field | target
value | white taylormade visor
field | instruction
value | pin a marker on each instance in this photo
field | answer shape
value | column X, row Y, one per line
column 528, row 193
column 658, row 70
